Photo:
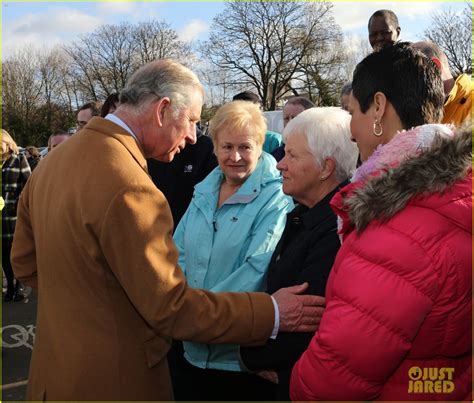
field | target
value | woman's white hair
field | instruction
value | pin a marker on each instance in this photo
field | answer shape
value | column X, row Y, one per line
column 327, row 131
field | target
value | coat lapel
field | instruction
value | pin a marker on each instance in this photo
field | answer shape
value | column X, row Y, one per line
column 109, row 128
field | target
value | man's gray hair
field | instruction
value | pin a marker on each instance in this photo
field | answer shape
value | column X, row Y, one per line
column 327, row 131
column 159, row 79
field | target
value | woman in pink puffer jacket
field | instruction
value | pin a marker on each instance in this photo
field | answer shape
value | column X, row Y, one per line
column 397, row 324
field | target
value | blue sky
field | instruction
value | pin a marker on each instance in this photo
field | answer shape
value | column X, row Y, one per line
column 48, row 23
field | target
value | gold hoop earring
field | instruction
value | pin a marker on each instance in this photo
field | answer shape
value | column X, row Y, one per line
column 378, row 125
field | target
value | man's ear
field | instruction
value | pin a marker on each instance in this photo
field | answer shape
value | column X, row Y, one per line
column 438, row 63
column 160, row 108
column 380, row 103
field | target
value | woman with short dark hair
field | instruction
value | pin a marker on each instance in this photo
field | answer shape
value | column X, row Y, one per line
column 399, row 295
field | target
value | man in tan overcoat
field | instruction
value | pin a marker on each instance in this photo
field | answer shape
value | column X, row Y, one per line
column 94, row 236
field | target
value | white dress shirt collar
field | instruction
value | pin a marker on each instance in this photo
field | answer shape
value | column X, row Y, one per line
column 122, row 124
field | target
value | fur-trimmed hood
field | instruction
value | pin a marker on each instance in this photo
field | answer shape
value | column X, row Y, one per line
column 414, row 164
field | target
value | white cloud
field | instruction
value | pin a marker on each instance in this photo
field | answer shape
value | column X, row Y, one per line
column 131, row 11
column 192, row 30
column 55, row 22
column 350, row 16
column 47, row 28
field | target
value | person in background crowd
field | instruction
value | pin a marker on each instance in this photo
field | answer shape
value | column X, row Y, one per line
column 384, row 29
column 236, row 216
column 272, row 139
column 15, row 173
column 458, row 93
column 110, row 105
column 86, row 112
column 345, row 95
column 57, row 138
column 399, row 297
column 319, row 160
column 33, row 156
column 94, row 235
column 293, row 107
column 177, row 179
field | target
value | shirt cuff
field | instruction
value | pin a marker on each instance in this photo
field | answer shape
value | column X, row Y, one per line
column 276, row 326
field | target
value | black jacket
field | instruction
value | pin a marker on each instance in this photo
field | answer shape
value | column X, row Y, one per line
column 177, row 178
column 306, row 252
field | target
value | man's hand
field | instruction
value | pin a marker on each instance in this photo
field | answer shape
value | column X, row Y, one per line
column 298, row 313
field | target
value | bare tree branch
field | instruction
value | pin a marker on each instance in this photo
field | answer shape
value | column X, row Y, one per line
column 265, row 45
column 452, row 31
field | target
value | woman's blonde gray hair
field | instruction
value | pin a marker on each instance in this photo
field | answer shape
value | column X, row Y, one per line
column 238, row 115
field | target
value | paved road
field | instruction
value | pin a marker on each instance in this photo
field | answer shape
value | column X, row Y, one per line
column 18, row 330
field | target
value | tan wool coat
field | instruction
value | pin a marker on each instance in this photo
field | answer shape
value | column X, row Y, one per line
column 94, row 234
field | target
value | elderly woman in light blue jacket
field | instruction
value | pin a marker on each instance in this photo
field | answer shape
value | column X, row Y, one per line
column 226, row 239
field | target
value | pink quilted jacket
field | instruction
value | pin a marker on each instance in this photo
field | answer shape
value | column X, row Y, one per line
column 397, row 324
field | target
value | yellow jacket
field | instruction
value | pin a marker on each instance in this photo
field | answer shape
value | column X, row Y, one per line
column 458, row 106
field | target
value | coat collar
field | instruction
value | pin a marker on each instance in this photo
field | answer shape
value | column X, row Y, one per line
column 264, row 173
column 311, row 217
column 430, row 159
column 111, row 129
